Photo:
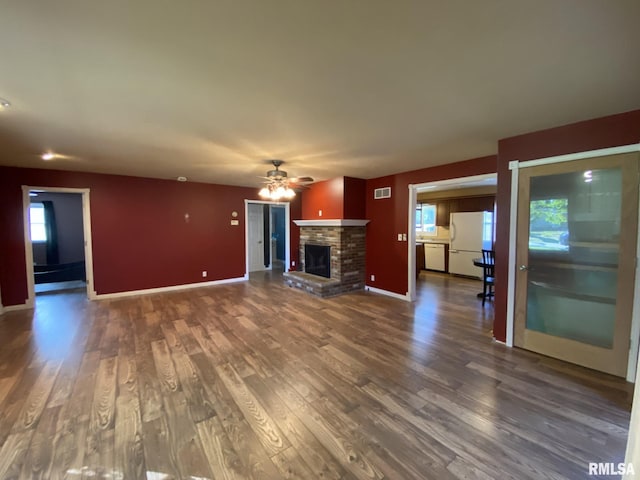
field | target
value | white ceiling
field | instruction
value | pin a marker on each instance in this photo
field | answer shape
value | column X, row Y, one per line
column 365, row 88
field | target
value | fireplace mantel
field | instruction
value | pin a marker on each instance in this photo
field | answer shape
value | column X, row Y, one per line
column 331, row 223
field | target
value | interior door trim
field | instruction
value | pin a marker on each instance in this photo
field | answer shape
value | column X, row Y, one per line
column 514, row 167
column 28, row 245
column 602, row 152
column 287, row 233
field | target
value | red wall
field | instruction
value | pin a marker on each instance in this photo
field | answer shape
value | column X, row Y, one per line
column 140, row 237
column 327, row 196
column 387, row 257
column 338, row 198
column 611, row 131
column 355, row 191
column 295, row 213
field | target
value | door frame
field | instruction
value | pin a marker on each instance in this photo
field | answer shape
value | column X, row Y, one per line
column 86, row 227
column 411, row 234
column 287, row 233
column 514, row 167
column 257, row 246
column 271, row 233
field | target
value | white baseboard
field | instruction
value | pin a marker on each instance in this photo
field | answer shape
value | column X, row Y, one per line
column 12, row 308
column 387, row 293
column 130, row 293
column 500, row 342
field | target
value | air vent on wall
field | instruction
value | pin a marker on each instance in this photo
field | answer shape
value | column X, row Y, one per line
column 384, row 192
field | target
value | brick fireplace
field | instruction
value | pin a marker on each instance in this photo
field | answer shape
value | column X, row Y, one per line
column 346, row 239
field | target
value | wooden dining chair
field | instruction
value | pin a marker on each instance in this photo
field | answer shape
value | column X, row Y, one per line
column 488, row 274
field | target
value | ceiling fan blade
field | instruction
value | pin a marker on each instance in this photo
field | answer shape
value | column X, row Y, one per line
column 301, row 180
column 299, row 187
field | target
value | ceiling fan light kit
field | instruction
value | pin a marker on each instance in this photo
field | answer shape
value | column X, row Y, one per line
column 276, row 192
column 278, row 184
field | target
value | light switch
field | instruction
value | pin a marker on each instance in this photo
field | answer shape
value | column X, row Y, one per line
column 399, row 237
column 404, row 237
column 319, row 213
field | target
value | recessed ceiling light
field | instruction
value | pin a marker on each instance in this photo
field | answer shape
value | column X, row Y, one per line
column 4, row 103
column 48, row 156
column 182, row 179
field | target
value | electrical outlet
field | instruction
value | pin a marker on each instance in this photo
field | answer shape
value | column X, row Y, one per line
column 404, row 237
column 293, row 264
column 319, row 213
column 373, row 278
column 204, row 274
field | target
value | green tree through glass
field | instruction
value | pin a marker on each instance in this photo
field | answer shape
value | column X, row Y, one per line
column 552, row 211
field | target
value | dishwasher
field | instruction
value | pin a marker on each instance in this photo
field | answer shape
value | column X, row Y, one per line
column 434, row 256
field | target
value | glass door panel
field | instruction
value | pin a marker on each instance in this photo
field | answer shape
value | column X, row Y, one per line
column 577, row 222
column 574, row 231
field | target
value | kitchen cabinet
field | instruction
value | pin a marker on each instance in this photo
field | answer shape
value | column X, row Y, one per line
column 419, row 258
column 442, row 213
column 472, row 204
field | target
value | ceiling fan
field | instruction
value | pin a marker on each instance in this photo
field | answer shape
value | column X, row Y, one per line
column 279, row 185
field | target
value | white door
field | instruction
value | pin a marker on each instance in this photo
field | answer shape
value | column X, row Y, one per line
column 256, row 237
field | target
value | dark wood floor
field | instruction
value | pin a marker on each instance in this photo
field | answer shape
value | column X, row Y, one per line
column 255, row 380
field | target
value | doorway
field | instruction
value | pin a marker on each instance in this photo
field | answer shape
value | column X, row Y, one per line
column 278, row 237
column 57, row 240
column 576, row 237
column 267, row 236
column 462, row 184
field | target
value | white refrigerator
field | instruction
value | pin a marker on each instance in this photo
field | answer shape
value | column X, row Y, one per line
column 471, row 232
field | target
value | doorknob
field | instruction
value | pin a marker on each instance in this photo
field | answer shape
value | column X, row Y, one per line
column 522, row 268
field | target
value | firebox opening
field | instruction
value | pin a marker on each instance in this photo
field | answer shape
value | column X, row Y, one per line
column 317, row 260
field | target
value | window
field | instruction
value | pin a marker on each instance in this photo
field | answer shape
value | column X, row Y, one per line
column 426, row 219
column 38, row 230
column 548, row 229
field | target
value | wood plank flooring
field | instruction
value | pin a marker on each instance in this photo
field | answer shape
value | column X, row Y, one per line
column 256, row 380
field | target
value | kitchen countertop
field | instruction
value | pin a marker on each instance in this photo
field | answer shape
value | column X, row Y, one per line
column 435, row 240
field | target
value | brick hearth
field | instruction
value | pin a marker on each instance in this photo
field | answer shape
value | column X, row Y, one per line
column 347, row 259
